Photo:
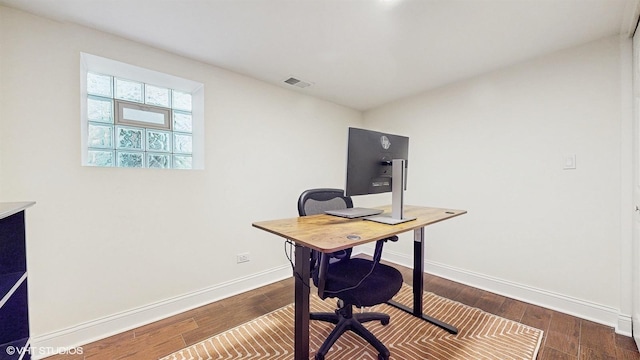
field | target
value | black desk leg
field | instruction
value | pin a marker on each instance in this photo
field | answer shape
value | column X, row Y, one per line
column 418, row 270
column 418, row 284
column 302, row 274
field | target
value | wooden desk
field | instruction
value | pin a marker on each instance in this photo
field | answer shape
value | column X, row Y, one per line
column 327, row 234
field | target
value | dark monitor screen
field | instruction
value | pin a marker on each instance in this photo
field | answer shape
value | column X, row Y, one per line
column 369, row 157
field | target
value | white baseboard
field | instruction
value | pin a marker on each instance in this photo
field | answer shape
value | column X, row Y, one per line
column 566, row 304
column 91, row 331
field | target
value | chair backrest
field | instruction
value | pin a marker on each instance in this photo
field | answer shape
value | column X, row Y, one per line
column 317, row 201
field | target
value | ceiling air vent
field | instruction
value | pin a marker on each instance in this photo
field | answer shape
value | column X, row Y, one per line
column 297, row 82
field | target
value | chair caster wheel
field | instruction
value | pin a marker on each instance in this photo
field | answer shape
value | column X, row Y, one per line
column 319, row 357
column 383, row 357
column 384, row 322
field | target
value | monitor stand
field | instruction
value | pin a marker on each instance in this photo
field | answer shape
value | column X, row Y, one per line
column 398, row 180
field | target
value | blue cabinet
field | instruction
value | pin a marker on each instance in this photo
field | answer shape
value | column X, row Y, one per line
column 14, row 310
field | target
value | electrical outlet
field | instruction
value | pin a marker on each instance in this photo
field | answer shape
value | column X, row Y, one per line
column 244, row 257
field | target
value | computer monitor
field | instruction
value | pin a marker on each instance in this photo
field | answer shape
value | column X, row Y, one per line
column 377, row 163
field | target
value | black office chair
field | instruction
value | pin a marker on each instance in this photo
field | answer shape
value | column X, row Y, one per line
column 355, row 282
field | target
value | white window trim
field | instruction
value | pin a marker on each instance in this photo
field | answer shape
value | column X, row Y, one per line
column 115, row 68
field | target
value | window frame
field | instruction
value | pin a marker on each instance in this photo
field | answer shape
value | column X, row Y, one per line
column 121, row 105
column 117, row 69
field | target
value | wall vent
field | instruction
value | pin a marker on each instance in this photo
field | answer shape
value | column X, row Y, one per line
column 297, row 82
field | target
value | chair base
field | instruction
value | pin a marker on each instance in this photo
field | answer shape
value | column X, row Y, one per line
column 345, row 320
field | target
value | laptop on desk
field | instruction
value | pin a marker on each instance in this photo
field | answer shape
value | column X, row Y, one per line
column 353, row 213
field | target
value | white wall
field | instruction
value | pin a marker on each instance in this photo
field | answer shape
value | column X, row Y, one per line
column 106, row 246
column 494, row 145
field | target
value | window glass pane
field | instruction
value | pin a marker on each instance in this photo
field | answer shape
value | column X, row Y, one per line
column 143, row 116
column 128, row 90
column 159, row 141
column 182, row 162
column 100, row 136
column 130, row 159
column 156, row 95
column 100, row 158
column 182, row 121
column 181, row 101
column 129, row 138
column 161, row 161
column 182, row 143
column 99, row 84
column 99, row 109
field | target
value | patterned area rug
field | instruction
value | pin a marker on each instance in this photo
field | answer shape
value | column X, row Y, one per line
column 481, row 335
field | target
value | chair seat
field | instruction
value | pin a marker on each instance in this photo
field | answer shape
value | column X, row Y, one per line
column 348, row 273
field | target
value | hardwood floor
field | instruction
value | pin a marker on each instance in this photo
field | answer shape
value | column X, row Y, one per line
column 566, row 337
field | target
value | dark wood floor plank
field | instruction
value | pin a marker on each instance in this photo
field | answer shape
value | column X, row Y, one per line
column 565, row 323
column 588, row 353
column 563, row 334
column 512, row 309
column 562, row 342
column 489, row 302
column 625, row 342
column 105, row 345
column 598, row 337
column 552, row 354
column 537, row 317
column 171, row 326
column 626, row 354
column 443, row 287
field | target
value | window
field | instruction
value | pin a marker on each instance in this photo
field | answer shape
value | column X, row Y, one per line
column 138, row 118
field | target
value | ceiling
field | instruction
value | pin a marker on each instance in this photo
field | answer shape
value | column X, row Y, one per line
column 358, row 53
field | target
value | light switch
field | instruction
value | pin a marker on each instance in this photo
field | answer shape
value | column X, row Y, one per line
column 569, row 161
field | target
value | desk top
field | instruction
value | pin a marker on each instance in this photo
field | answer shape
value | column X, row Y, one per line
column 9, row 208
column 328, row 233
